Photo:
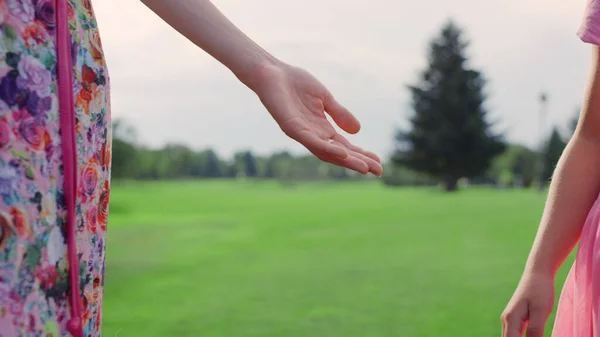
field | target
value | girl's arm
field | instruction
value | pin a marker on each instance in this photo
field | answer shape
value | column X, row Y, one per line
column 574, row 188
column 296, row 100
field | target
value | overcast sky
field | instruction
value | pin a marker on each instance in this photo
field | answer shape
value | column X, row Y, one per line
column 364, row 51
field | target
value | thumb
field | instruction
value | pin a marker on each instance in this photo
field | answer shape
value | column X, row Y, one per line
column 536, row 324
column 342, row 116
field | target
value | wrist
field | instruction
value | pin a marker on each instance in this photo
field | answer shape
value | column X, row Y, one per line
column 547, row 270
column 260, row 69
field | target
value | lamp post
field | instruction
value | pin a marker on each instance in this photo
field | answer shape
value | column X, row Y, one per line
column 543, row 101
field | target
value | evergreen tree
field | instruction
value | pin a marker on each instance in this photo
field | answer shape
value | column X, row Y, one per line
column 270, row 169
column 213, row 165
column 250, row 165
column 449, row 136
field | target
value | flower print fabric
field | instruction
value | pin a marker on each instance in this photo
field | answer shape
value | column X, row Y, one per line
column 34, row 283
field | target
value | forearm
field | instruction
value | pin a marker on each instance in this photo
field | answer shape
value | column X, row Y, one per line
column 572, row 192
column 204, row 25
column 574, row 188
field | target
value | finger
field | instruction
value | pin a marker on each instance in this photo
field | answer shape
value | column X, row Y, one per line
column 342, row 116
column 315, row 144
column 374, row 167
column 536, row 324
column 535, row 331
column 341, row 139
column 513, row 323
column 350, row 162
column 513, row 329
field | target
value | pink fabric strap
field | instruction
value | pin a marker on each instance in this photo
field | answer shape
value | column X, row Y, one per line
column 69, row 151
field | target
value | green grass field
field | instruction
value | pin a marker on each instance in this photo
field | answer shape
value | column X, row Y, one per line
column 245, row 259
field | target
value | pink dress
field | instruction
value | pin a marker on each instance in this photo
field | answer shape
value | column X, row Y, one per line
column 578, row 313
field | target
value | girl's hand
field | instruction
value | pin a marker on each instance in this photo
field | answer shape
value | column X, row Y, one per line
column 529, row 307
column 298, row 103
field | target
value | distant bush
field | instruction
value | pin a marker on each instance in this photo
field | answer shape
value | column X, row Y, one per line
column 394, row 175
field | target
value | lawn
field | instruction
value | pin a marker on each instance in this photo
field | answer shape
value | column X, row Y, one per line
column 245, row 259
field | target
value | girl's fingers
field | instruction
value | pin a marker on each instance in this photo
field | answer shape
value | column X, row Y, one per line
column 513, row 322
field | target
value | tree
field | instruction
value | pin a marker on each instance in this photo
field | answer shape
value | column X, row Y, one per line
column 449, row 136
column 123, row 159
column 124, row 163
column 552, row 152
column 231, row 169
column 250, row 165
column 245, row 164
column 278, row 165
column 516, row 166
column 270, row 167
column 180, row 159
column 212, row 163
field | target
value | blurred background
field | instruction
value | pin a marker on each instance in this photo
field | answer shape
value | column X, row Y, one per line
column 222, row 226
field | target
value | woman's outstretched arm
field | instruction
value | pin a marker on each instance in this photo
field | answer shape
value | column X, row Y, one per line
column 296, row 100
column 574, row 188
column 204, row 25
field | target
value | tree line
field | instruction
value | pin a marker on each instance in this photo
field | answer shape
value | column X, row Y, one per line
column 517, row 166
column 177, row 161
column 449, row 139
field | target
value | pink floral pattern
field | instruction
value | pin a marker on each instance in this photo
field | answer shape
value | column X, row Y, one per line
column 34, row 280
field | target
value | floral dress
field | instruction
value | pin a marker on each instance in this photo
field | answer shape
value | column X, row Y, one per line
column 54, row 168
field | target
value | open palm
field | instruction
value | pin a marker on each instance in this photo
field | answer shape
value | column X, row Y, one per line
column 298, row 103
